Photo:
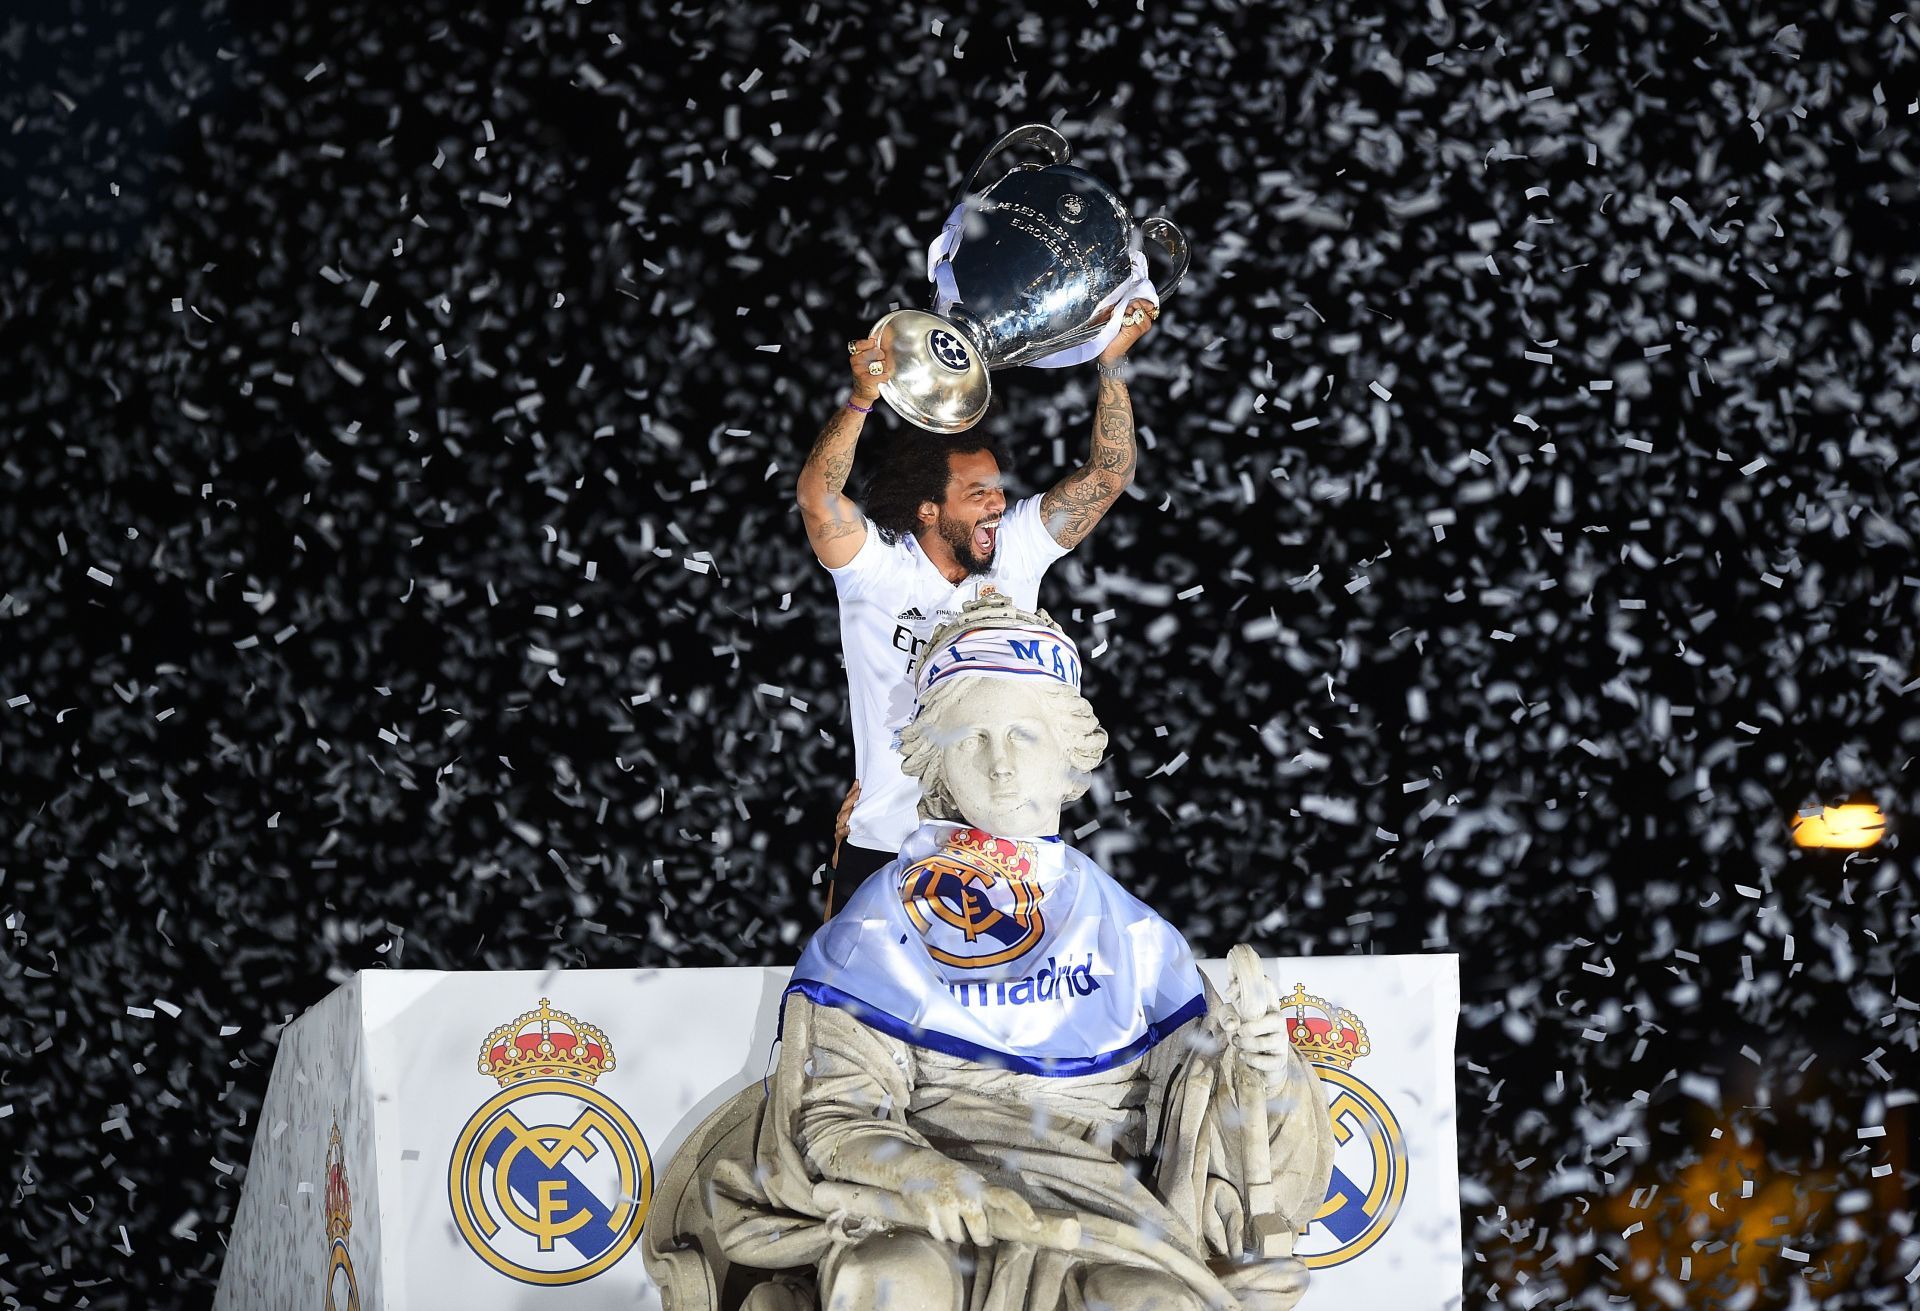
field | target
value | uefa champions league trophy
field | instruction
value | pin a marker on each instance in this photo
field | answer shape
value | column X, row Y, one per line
column 1027, row 270
column 1002, row 1080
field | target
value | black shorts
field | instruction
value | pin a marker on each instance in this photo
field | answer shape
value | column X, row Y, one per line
column 855, row 864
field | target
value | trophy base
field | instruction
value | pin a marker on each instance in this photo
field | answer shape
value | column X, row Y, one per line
column 939, row 378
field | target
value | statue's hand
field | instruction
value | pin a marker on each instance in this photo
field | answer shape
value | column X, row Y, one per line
column 1263, row 1042
column 1009, row 1217
column 1254, row 1024
column 956, row 1204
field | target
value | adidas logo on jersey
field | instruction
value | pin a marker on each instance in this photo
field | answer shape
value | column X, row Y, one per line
column 914, row 613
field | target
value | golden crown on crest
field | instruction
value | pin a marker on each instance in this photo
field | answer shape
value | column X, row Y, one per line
column 1333, row 1037
column 339, row 1200
column 992, row 855
column 546, row 1044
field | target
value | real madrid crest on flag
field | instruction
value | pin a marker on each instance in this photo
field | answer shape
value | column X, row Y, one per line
column 1023, row 955
column 342, row 1289
column 975, row 901
column 1370, row 1153
column 550, row 1180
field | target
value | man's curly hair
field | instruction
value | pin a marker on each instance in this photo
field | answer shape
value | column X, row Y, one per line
column 914, row 469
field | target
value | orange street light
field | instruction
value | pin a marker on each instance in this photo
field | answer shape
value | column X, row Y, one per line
column 1852, row 827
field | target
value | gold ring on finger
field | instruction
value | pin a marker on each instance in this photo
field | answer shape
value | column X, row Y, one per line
column 875, row 368
column 853, row 348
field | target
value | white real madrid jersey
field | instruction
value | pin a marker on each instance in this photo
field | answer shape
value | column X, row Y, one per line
column 891, row 598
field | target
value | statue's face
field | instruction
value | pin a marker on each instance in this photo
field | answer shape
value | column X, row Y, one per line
column 1004, row 758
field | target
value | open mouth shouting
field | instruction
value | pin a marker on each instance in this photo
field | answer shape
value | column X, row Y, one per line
column 986, row 536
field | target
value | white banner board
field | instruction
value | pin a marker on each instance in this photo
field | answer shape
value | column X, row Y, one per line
column 477, row 1167
column 1388, row 1234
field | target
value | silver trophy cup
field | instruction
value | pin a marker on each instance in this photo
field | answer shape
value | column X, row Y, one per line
column 1044, row 248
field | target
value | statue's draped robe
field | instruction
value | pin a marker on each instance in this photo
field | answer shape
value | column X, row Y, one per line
column 1153, row 1143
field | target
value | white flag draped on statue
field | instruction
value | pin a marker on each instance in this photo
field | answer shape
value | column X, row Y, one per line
column 500, row 1133
column 1019, row 954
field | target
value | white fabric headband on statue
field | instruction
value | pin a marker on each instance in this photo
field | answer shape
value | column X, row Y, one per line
column 1002, row 651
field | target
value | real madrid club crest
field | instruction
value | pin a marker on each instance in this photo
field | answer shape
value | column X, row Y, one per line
column 342, row 1290
column 1370, row 1153
column 975, row 901
column 550, row 1180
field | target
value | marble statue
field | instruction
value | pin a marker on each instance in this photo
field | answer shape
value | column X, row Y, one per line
column 1003, row 1085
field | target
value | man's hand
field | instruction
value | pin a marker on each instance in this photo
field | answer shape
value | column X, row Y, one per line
column 843, row 822
column 862, row 356
column 1137, row 323
column 834, row 523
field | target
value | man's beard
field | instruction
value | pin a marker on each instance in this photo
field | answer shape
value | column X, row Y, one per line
column 959, row 536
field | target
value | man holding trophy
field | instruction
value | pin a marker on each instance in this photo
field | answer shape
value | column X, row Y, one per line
column 1041, row 267
column 936, row 532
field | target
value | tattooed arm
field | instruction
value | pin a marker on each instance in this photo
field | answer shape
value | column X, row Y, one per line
column 835, row 526
column 1077, row 501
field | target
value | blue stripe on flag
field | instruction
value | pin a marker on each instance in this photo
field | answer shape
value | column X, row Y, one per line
column 1059, row 1067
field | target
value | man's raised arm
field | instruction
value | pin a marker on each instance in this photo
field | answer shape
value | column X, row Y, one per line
column 835, row 526
column 1077, row 502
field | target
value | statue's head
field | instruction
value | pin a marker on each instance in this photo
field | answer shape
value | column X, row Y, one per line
column 1001, row 737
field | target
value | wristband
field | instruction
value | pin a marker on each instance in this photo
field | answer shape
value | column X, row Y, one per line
column 1117, row 372
column 859, row 409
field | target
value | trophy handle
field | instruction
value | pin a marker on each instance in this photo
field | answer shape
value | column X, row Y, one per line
column 1038, row 135
column 1170, row 239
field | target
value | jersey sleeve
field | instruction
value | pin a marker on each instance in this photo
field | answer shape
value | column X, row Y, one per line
column 1028, row 546
column 872, row 568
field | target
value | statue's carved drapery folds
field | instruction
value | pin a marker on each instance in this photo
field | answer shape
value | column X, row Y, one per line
column 1003, row 1084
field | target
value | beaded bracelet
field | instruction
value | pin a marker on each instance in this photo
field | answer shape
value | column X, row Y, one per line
column 859, row 409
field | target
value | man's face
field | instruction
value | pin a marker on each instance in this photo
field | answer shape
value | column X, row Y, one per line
column 1004, row 762
column 969, row 519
